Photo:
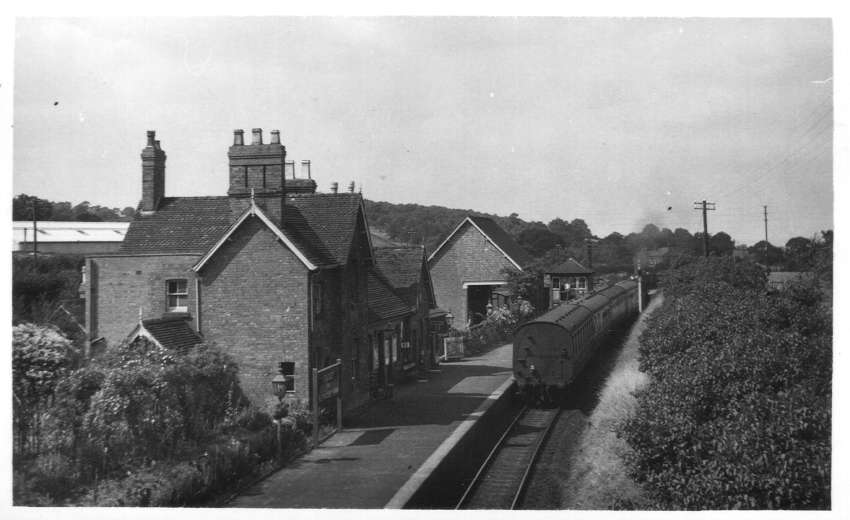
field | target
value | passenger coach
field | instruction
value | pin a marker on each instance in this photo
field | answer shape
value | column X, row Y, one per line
column 551, row 351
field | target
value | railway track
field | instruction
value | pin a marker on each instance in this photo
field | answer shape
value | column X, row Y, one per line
column 501, row 480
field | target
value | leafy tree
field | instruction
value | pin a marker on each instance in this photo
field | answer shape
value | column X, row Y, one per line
column 765, row 253
column 22, row 207
column 538, row 240
column 799, row 254
column 721, row 244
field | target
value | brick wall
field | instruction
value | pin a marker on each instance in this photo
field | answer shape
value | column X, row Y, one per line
column 118, row 286
column 467, row 257
column 255, row 305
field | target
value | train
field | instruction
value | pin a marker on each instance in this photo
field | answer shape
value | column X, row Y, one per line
column 551, row 350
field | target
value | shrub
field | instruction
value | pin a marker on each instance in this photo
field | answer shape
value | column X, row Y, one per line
column 738, row 411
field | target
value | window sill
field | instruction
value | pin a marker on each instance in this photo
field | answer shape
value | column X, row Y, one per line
column 176, row 314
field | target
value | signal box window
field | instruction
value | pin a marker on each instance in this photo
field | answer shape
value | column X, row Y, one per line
column 177, row 296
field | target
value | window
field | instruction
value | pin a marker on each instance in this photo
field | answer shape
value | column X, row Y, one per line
column 287, row 368
column 177, row 296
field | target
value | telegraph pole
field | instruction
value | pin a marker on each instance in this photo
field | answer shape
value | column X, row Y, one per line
column 34, row 232
column 765, row 225
column 704, row 206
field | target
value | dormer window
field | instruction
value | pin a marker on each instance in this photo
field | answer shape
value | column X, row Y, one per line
column 177, row 295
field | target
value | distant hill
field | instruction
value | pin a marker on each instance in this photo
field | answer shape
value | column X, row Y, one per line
column 417, row 224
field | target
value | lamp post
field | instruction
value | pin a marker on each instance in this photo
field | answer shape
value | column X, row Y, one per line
column 279, row 382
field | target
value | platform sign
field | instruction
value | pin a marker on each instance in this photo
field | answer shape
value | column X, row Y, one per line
column 453, row 347
column 328, row 381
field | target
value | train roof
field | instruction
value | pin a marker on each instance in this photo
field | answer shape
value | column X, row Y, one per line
column 566, row 315
column 571, row 315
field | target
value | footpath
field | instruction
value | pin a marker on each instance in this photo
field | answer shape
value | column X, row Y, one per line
column 381, row 455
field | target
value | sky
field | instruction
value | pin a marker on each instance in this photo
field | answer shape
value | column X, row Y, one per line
column 617, row 121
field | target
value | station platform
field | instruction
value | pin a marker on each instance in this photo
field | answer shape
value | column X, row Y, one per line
column 386, row 452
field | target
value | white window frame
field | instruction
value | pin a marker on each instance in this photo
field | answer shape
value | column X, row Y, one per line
column 177, row 293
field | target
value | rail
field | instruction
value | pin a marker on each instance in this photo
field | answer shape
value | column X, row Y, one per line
column 504, row 474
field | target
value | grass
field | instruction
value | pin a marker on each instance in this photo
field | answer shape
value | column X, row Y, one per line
column 599, row 478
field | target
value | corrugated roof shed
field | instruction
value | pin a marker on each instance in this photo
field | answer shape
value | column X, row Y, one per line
column 72, row 231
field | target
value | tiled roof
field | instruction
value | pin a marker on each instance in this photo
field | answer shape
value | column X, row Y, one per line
column 402, row 267
column 330, row 218
column 503, row 240
column 321, row 226
column 172, row 333
column 180, row 225
column 571, row 266
column 383, row 302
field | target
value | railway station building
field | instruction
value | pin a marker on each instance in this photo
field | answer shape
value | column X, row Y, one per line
column 468, row 269
column 273, row 272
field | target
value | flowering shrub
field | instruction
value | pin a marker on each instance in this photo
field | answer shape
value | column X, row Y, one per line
column 143, row 425
column 497, row 327
column 738, row 410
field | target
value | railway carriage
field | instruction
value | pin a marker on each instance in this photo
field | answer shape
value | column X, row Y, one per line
column 550, row 351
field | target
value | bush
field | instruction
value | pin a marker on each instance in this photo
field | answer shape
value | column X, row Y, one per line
column 738, row 411
column 499, row 326
column 143, row 425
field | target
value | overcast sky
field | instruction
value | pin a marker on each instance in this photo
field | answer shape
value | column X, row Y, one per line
column 610, row 120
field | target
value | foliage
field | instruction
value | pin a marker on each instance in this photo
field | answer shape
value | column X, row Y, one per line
column 738, row 411
column 538, row 241
column 41, row 357
column 765, row 253
column 141, row 417
column 63, row 211
column 40, row 285
column 498, row 326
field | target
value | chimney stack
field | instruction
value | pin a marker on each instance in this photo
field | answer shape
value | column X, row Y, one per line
column 305, row 170
column 256, row 136
column 153, row 174
column 289, row 169
column 238, row 138
column 334, row 187
column 275, row 137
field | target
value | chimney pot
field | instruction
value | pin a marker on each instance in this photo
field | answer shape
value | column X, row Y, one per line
column 238, row 138
column 289, row 167
column 305, row 169
column 334, row 187
column 156, row 144
column 351, row 187
column 151, row 136
column 257, row 136
column 275, row 137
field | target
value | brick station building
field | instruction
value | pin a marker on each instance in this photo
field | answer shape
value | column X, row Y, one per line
column 467, row 268
column 272, row 272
